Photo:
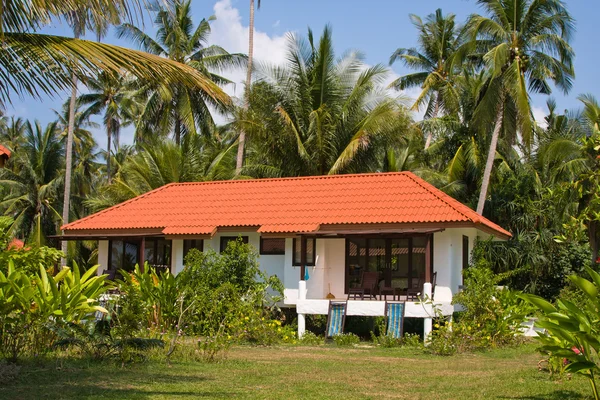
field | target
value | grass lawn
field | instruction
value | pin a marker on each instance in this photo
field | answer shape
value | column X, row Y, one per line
column 308, row 373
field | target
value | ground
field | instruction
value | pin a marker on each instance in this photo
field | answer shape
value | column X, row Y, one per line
column 305, row 372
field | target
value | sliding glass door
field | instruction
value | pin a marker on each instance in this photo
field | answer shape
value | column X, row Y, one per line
column 401, row 262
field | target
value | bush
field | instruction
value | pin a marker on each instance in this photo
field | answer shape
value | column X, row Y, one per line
column 346, row 340
column 310, row 339
column 29, row 304
column 492, row 316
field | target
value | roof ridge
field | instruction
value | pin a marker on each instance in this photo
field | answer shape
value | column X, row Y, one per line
column 444, row 197
column 116, row 206
column 287, row 178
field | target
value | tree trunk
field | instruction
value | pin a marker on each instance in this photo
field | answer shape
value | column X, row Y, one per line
column 108, row 149
column 436, row 111
column 490, row 158
column 178, row 131
column 242, row 140
column 593, row 242
column 69, row 163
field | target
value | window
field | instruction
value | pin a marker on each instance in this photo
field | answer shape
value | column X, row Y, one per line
column 465, row 252
column 272, row 246
column 157, row 253
column 311, row 245
column 189, row 244
column 226, row 239
column 123, row 254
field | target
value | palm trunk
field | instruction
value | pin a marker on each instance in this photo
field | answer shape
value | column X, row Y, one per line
column 242, row 140
column 178, row 131
column 436, row 111
column 108, row 149
column 69, row 164
column 593, row 241
column 490, row 158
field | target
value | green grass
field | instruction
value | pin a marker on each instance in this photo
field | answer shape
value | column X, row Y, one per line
column 308, row 373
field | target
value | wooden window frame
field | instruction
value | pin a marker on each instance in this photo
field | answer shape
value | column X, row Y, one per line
column 193, row 245
column 222, row 239
column 309, row 263
column 271, row 253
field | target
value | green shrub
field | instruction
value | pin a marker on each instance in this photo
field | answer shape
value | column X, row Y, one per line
column 492, row 316
column 573, row 332
column 28, row 304
column 310, row 339
column 346, row 340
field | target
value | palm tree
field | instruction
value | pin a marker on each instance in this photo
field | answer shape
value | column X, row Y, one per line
column 181, row 109
column 162, row 162
column 526, row 43
column 110, row 96
column 331, row 116
column 38, row 64
column 34, row 182
column 439, row 39
column 242, row 140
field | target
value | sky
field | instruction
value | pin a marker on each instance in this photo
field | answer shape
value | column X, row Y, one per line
column 375, row 28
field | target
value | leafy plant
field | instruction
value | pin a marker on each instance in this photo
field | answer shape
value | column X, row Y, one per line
column 310, row 339
column 28, row 304
column 346, row 340
column 573, row 332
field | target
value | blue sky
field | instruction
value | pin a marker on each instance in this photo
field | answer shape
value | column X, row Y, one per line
column 375, row 27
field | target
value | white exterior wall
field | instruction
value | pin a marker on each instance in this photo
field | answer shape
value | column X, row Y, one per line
column 103, row 256
column 329, row 274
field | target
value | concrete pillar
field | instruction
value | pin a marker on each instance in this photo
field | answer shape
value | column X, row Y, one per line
column 176, row 256
column 428, row 322
column 301, row 317
column 103, row 256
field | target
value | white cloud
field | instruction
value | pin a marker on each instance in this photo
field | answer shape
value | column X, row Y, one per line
column 276, row 24
column 539, row 114
column 231, row 33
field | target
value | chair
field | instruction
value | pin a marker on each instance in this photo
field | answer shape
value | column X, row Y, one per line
column 336, row 318
column 394, row 315
column 369, row 283
column 413, row 293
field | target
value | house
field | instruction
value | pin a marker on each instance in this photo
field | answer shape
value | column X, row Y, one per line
column 317, row 234
column 4, row 155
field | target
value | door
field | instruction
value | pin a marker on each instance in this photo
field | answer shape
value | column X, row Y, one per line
column 402, row 262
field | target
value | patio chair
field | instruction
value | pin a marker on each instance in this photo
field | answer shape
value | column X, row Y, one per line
column 394, row 317
column 369, row 284
column 413, row 293
column 336, row 318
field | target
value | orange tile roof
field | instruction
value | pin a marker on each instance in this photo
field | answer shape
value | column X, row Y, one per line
column 4, row 152
column 288, row 205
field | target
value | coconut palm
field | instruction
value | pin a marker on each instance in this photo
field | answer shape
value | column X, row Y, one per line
column 331, row 116
column 34, row 181
column 157, row 164
column 439, row 39
column 110, row 96
column 180, row 110
column 38, row 64
column 525, row 45
column 242, row 140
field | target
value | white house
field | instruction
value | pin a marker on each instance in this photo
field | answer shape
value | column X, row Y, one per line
column 317, row 234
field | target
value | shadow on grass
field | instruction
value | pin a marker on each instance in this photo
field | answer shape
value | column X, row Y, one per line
column 121, row 384
column 556, row 395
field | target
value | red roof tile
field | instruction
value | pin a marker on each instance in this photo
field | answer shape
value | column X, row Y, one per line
column 288, row 205
column 4, row 152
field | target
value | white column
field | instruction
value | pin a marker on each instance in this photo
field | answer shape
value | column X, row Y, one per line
column 428, row 322
column 176, row 256
column 103, row 253
column 301, row 318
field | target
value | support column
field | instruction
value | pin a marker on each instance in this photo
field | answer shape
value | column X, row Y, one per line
column 142, row 253
column 428, row 322
column 302, row 258
column 301, row 317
